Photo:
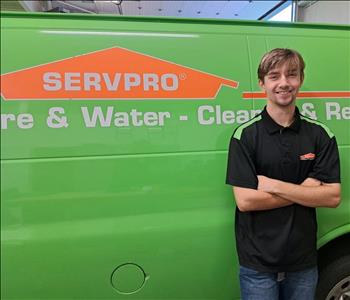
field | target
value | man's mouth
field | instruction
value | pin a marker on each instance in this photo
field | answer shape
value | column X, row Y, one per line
column 283, row 92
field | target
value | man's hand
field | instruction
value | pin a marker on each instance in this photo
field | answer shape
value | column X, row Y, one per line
column 311, row 182
column 266, row 184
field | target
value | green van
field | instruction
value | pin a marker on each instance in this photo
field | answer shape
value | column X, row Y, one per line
column 114, row 138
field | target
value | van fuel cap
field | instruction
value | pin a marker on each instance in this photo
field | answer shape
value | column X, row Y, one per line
column 128, row 278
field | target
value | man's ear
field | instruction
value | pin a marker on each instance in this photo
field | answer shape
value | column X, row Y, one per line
column 261, row 84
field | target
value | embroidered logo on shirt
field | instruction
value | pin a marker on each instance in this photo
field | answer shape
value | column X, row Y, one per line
column 308, row 156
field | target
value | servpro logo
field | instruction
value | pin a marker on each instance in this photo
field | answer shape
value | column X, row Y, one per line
column 69, row 81
column 308, row 156
column 114, row 73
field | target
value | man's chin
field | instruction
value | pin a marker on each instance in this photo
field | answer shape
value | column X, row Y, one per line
column 284, row 102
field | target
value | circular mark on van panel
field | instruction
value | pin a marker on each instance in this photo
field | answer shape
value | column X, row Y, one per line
column 128, row 278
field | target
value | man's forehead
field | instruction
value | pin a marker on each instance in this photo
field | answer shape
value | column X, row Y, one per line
column 284, row 66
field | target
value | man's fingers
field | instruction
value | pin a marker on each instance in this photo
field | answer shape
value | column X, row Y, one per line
column 311, row 182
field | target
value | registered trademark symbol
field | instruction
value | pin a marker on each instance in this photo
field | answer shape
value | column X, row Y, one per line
column 182, row 76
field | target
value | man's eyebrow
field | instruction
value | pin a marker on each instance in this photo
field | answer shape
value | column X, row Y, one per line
column 273, row 73
column 277, row 72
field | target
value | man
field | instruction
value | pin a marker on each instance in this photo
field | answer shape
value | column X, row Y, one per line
column 281, row 166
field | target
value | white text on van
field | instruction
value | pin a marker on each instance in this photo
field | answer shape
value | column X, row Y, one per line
column 75, row 81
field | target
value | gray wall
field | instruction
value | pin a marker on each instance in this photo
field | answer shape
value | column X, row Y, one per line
column 324, row 12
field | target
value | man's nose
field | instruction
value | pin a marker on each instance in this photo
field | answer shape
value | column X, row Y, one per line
column 283, row 80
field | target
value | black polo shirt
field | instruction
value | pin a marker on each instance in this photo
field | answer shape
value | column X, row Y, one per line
column 280, row 239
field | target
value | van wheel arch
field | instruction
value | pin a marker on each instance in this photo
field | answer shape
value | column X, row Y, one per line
column 334, row 269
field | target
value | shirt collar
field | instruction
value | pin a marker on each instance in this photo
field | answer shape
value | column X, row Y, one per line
column 273, row 127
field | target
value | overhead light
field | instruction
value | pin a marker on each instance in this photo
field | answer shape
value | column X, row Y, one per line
column 117, row 2
column 303, row 3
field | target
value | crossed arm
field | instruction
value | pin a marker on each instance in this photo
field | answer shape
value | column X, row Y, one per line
column 272, row 193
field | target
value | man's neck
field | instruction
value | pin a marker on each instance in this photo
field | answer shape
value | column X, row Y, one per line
column 283, row 116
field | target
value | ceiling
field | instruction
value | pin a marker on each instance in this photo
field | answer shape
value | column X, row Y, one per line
column 11, row 6
column 227, row 9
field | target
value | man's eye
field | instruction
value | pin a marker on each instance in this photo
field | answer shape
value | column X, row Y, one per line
column 273, row 77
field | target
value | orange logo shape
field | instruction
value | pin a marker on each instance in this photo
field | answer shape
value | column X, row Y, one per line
column 114, row 73
column 308, row 156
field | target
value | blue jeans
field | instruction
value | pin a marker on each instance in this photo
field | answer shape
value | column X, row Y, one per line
column 257, row 285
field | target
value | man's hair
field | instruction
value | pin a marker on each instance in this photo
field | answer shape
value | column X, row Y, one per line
column 275, row 57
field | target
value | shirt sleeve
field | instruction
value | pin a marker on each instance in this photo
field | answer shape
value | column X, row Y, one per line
column 327, row 165
column 240, row 167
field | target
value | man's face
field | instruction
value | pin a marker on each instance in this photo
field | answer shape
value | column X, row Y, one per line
column 282, row 84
